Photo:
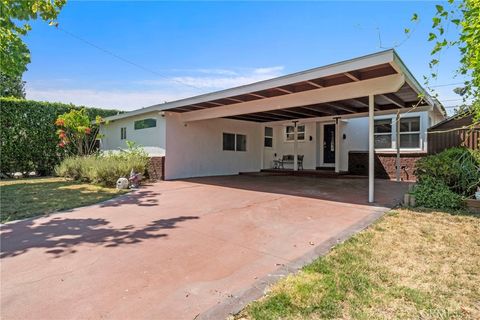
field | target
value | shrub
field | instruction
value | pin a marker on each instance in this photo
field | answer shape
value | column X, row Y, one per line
column 104, row 168
column 433, row 193
column 457, row 168
column 28, row 138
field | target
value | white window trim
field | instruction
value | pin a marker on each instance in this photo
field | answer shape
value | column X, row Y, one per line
column 298, row 140
column 122, row 129
column 419, row 132
column 235, row 142
column 155, row 126
column 393, row 133
column 385, row 134
column 265, row 136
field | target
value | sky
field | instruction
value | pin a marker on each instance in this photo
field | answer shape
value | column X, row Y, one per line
column 129, row 55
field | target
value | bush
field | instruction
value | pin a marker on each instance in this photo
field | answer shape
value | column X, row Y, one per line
column 28, row 139
column 457, row 168
column 104, row 168
column 433, row 193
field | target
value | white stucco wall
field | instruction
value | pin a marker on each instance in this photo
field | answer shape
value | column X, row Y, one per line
column 151, row 139
column 283, row 147
column 196, row 148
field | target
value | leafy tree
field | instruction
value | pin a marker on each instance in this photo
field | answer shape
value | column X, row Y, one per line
column 76, row 129
column 14, row 54
column 12, row 86
column 465, row 16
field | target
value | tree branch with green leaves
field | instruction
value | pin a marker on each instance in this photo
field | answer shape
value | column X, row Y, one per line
column 15, row 14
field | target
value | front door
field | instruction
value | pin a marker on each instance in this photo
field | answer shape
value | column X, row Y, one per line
column 329, row 143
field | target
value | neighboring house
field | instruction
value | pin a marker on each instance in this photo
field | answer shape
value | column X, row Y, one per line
column 456, row 131
column 312, row 113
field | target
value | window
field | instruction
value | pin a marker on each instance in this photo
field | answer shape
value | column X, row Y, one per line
column 229, row 142
column 410, row 132
column 234, row 142
column 123, row 133
column 145, row 123
column 383, row 133
column 290, row 133
column 268, row 142
column 241, row 142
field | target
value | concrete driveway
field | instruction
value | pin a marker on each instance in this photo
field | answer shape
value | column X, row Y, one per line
column 179, row 249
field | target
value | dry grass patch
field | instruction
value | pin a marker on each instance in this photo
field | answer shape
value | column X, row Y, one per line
column 24, row 198
column 409, row 265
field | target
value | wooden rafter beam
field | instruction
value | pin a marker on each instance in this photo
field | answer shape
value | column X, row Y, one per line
column 215, row 103
column 364, row 102
column 341, row 106
column 257, row 95
column 234, row 100
column 392, row 98
column 314, row 84
column 197, row 106
column 322, row 110
column 353, row 75
column 298, row 112
column 283, row 90
column 280, row 113
column 253, row 117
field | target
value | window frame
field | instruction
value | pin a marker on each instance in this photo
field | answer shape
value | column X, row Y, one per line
column 237, row 149
column 384, row 133
column 123, row 133
column 265, row 137
column 143, row 120
column 287, row 134
column 235, row 142
column 410, row 132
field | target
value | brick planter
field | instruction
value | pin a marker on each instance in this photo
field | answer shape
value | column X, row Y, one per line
column 473, row 205
column 156, row 168
column 385, row 164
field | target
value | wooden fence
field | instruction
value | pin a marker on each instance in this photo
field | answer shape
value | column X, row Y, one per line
column 439, row 140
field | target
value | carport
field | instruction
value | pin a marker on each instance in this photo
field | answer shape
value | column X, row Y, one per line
column 368, row 86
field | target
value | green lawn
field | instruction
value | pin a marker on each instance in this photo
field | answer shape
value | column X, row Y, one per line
column 24, row 198
column 409, row 265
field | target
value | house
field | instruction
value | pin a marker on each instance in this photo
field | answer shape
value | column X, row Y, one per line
column 456, row 131
column 327, row 114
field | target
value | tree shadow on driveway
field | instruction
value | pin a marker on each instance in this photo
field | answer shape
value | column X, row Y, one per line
column 142, row 198
column 59, row 235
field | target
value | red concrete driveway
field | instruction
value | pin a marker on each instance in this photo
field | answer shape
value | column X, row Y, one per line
column 179, row 249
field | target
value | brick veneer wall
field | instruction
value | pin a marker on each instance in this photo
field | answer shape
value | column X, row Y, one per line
column 156, row 168
column 385, row 164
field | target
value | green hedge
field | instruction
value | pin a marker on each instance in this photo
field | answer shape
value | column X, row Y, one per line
column 28, row 140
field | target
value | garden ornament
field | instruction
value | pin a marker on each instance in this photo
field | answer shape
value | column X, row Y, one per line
column 134, row 179
column 122, row 183
column 18, row 175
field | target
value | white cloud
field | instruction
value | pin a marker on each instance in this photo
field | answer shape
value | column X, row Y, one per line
column 269, row 70
column 122, row 100
column 219, row 78
column 152, row 91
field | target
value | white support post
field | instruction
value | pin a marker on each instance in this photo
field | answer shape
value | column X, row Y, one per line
column 295, row 146
column 397, row 162
column 371, row 148
column 337, row 145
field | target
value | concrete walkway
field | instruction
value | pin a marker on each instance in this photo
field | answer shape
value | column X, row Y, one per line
column 179, row 249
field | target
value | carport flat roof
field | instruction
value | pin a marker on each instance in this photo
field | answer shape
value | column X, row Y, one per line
column 346, row 76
